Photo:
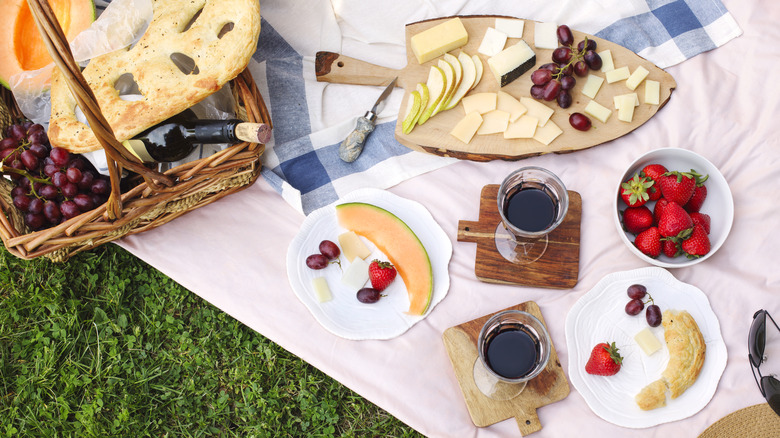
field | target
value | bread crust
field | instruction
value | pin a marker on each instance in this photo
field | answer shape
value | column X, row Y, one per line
column 165, row 88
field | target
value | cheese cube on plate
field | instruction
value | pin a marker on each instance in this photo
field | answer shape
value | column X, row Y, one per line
column 618, row 99
column 493, row 42
column 321, row 289
column 352, row 246
column 356, row 274
column 647, row 341
column 592, row 86
column 598, row 111
column 636, row 77
column 607, row 64
column 617, row 74
column 652, row 92
column 625, row 104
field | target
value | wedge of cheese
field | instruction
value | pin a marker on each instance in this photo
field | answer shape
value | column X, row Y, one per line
column 467, row 127
column 652, row 92
column 537, row 110
column 547, row 133
column 480, row 102
column 524, row 127
column 507, row 102
column 438, row 40
column 512, row 62
column 493, row 122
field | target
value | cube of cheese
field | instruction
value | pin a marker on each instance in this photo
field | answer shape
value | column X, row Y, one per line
column 507, row 102
column 512, row 27
column 647, row 341
column 636, row 77
column 537, row 110
column 352, row 246
column 480, row 102
column 438, row 40
column 493, row 122
column 321, row 289
column 652, row 92
column 617, row 99
column 547, row 133
column 607, row 64
column 592, row 86
column 524, row 127
column 617, row 74
column 512, row 62
column 598, row 111
column 625, row 104
column 545, row 36
column 493, row 42
column 356, row 274
column 467, row 127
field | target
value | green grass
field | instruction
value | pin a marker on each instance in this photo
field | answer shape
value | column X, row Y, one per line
column 105, row 345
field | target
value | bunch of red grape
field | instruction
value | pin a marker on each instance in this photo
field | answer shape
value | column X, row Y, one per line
column 329, row 253
column 635, row 306
column 50, row 184
column 554, row 80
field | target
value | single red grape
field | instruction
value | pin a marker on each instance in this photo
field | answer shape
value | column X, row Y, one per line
column 329, row 249
column 581, row 69
column 551, row 90
column 22, row 202
column 579, row 121
column 593, row 60
column 60, row 156
column 636, row 291
column 565, row 36
column 561, row 55
column 74, row 175
column 34, row 221
column 317, row 261
column 564, row 99
column 541, row 76
column 52, row 212
column 84, row 202
column 633, row 307
column 586, row 44
column 59, row 179
column 36, row 206
column 537, row 91
column 568, row 82
column 69, row 209
column 653, row 315
column 100, row 186
column 368, row 295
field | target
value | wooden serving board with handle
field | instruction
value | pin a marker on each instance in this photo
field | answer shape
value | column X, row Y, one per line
column 434, row 135
column 548, row 387
column 559, row 266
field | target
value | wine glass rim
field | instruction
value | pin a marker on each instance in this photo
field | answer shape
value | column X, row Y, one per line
column 540, row 327
column 563, row 206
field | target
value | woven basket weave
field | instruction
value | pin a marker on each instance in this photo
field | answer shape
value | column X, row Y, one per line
column 158, row 199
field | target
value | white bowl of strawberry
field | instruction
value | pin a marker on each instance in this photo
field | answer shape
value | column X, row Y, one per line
column 674, row 208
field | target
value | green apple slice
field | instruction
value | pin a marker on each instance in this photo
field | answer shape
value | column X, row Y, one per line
column 412, row 111
column 466, row 82
column 480, row 68
column 436, row 88
column 449, row 85
column 458, row 68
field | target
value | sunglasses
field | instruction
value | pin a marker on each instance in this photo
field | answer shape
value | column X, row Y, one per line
column 768, row 385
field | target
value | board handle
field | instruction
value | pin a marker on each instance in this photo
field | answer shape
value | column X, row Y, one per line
column 528, row 423
column 470, row 231
column 340, row 69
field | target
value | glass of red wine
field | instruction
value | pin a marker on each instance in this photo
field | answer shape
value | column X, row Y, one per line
column 532, row 202
column 513, row 348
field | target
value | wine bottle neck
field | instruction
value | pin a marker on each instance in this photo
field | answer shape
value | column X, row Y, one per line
column 138, row 148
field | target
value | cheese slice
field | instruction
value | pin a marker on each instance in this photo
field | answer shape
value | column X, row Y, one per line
column 524, row 127
column 352, row 246
column 625, row 104
column 512, row 62
column 438, row 40
column 512, row 27
column 537, row 110
column 617, row 74
column 617, row 99
column 598, row 111
column 493, row 122
column 592, row 86
column 467, row 127
column 647, row 341
column 493, row 42
column 607, row 64
column 547, row 133
column 480, row 102
column 652, row 92
column 356, row 274
column 545, row 36
column 507, row 102
column 636, row 77
column 321, row 289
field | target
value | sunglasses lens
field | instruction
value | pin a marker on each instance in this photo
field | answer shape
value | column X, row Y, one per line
column 757, row 338
column 772, row 389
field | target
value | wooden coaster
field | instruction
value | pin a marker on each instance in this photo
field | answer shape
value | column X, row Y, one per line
column 548, row 387
column 558, row 268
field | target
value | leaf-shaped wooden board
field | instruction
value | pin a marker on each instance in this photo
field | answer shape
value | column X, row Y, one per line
column 434, row 135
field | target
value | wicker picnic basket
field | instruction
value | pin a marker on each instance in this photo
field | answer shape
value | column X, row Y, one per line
column 158, row 197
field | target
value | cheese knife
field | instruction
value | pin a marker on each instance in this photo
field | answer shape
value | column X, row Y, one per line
column 352, row 146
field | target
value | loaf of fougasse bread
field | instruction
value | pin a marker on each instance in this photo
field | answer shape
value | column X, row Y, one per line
column 190, row 50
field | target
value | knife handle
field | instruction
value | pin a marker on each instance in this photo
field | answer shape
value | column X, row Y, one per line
column 340, row 69
column 352, row 146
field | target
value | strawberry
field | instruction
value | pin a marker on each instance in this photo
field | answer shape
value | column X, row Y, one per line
column 605, row 360
column 677, row 186
column 670, row 248
column 698, row 244
column 634, row 191
column 697, row 199
column 654, row 193
column 674, row 221
column 637, row 219
column 701, row 219
column 649, row 242
column 654, row 170
column 381, row 274
column 658, row 209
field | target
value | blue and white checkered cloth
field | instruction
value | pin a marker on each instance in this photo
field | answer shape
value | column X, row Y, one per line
column 311, row 119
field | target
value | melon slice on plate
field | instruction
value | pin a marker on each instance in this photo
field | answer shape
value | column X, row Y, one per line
column 21, row 45
column 398, row 242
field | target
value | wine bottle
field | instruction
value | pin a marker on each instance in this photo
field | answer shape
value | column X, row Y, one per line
column 175, row 138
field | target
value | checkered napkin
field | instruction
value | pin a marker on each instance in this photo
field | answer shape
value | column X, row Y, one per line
column 311, row 118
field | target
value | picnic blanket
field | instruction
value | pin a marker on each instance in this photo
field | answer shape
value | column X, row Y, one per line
column 312, row 118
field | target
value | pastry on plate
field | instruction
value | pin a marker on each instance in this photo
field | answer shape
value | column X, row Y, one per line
column 686, row 357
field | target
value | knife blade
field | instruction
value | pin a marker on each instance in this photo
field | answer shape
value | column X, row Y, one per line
column 352, row 146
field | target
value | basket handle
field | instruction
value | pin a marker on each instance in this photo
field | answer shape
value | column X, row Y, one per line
column 116, row 154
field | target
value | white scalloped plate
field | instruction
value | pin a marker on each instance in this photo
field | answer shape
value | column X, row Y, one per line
column 344, row 315
column 599, row 316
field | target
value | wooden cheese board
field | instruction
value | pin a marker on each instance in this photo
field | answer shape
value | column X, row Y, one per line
column 434, row 136
column 559, row 266
column 548, row 387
